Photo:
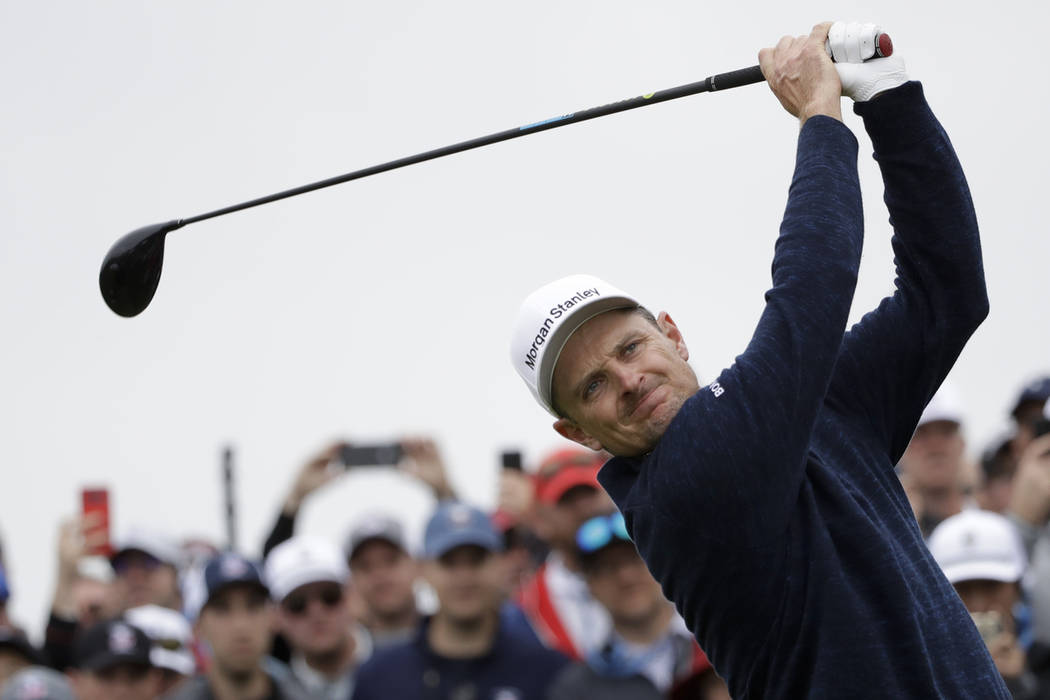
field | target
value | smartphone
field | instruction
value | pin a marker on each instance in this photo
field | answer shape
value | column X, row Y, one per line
column 382, row 455
column 96, row 501
column 989, row 624
column 511, row 460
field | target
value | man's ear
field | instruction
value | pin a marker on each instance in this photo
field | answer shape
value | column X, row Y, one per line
column 670, row 329
column 568, row 429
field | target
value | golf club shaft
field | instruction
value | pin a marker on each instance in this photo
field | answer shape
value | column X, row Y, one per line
column 721, row 81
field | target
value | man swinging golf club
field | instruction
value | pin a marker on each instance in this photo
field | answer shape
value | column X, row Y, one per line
column 765, row 502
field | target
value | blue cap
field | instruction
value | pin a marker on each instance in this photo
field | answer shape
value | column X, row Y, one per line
column 228, row 569
column 222, row 571
column 456, row 524
column 1037, row 390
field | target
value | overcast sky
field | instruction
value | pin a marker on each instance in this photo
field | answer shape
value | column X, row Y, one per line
column 383, row 307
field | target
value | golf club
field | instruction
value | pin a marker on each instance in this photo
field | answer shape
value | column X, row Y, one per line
column 131, row 269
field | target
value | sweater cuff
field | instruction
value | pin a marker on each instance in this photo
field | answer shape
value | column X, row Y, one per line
column 898, row 118
column 822, row 134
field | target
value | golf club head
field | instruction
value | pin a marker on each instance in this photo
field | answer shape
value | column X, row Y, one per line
column 131, row 269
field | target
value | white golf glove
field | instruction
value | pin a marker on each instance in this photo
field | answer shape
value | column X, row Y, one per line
column 850, row 44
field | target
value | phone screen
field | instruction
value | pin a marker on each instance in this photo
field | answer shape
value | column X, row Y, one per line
column 511, row 459
column 96, row 501
column 370, row 455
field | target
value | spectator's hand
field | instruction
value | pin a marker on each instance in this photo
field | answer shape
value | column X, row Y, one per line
column 800, row 73
column 516, row 493
column 74, row 542
column 316, row 473
column 1030, row 499
column 1007, row 654
column 423, row 461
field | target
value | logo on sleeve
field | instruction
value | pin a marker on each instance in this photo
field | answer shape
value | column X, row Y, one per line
column 717, row 389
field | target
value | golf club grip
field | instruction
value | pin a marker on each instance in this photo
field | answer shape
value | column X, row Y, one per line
column 735, row 78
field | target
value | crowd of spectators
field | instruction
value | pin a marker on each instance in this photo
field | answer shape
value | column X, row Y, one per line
column 544, row 597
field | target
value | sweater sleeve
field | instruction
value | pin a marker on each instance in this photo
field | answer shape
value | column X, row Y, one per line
column 730, row 464
column 896, row 357
column 283, row 529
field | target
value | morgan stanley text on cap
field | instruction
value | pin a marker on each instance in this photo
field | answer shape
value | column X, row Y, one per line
column 548, row 318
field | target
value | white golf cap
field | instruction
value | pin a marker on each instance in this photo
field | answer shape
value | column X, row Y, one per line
column 170, row 635
column 302, row 560
column 548, row 318
column 946, row 405
column 978, row 544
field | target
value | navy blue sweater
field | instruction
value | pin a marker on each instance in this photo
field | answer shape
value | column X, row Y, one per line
column 769, row 510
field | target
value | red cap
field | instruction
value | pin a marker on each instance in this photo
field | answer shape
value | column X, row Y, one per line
column 563, row 469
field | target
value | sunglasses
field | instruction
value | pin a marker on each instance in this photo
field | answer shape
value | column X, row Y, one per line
column 297, row 603
column 600, row 531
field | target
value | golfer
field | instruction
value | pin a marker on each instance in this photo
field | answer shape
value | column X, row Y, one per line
column 766, row 502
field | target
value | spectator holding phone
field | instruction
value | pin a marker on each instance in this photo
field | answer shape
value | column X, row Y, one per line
column 84, row 591
column 309, row 581
column 418, row 457
column 465, row 650
column 982, row 557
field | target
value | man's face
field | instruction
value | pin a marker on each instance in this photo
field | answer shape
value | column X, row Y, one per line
column 619, row 580
column 384, row 576
column 558, row 522
column 620, row 381
column 237, row 623
column 145, row 580
column 980, row 595
column 468, row 581
column 316, row 618
column 120, row 682
column 934, row 458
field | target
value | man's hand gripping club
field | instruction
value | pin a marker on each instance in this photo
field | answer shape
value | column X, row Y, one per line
column 801, row 74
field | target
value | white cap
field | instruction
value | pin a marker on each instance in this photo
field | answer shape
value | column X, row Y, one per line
column 978, row 544
column 548, row 318
column 946, row 405
column 170, row 635
column 154, row 543
column 302, row 560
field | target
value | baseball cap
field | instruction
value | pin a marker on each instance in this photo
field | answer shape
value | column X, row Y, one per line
column 1035, row 391
column 375, row 526
column 978, row 544
column 11, row 638
column 302, row 560
column 149, row 541
column 455, row 524
column 548, row 318
column 946, row 405
column 170, row 636
column 37, row 683
column 566, row 468
column 110, row 643
column 221, row 572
